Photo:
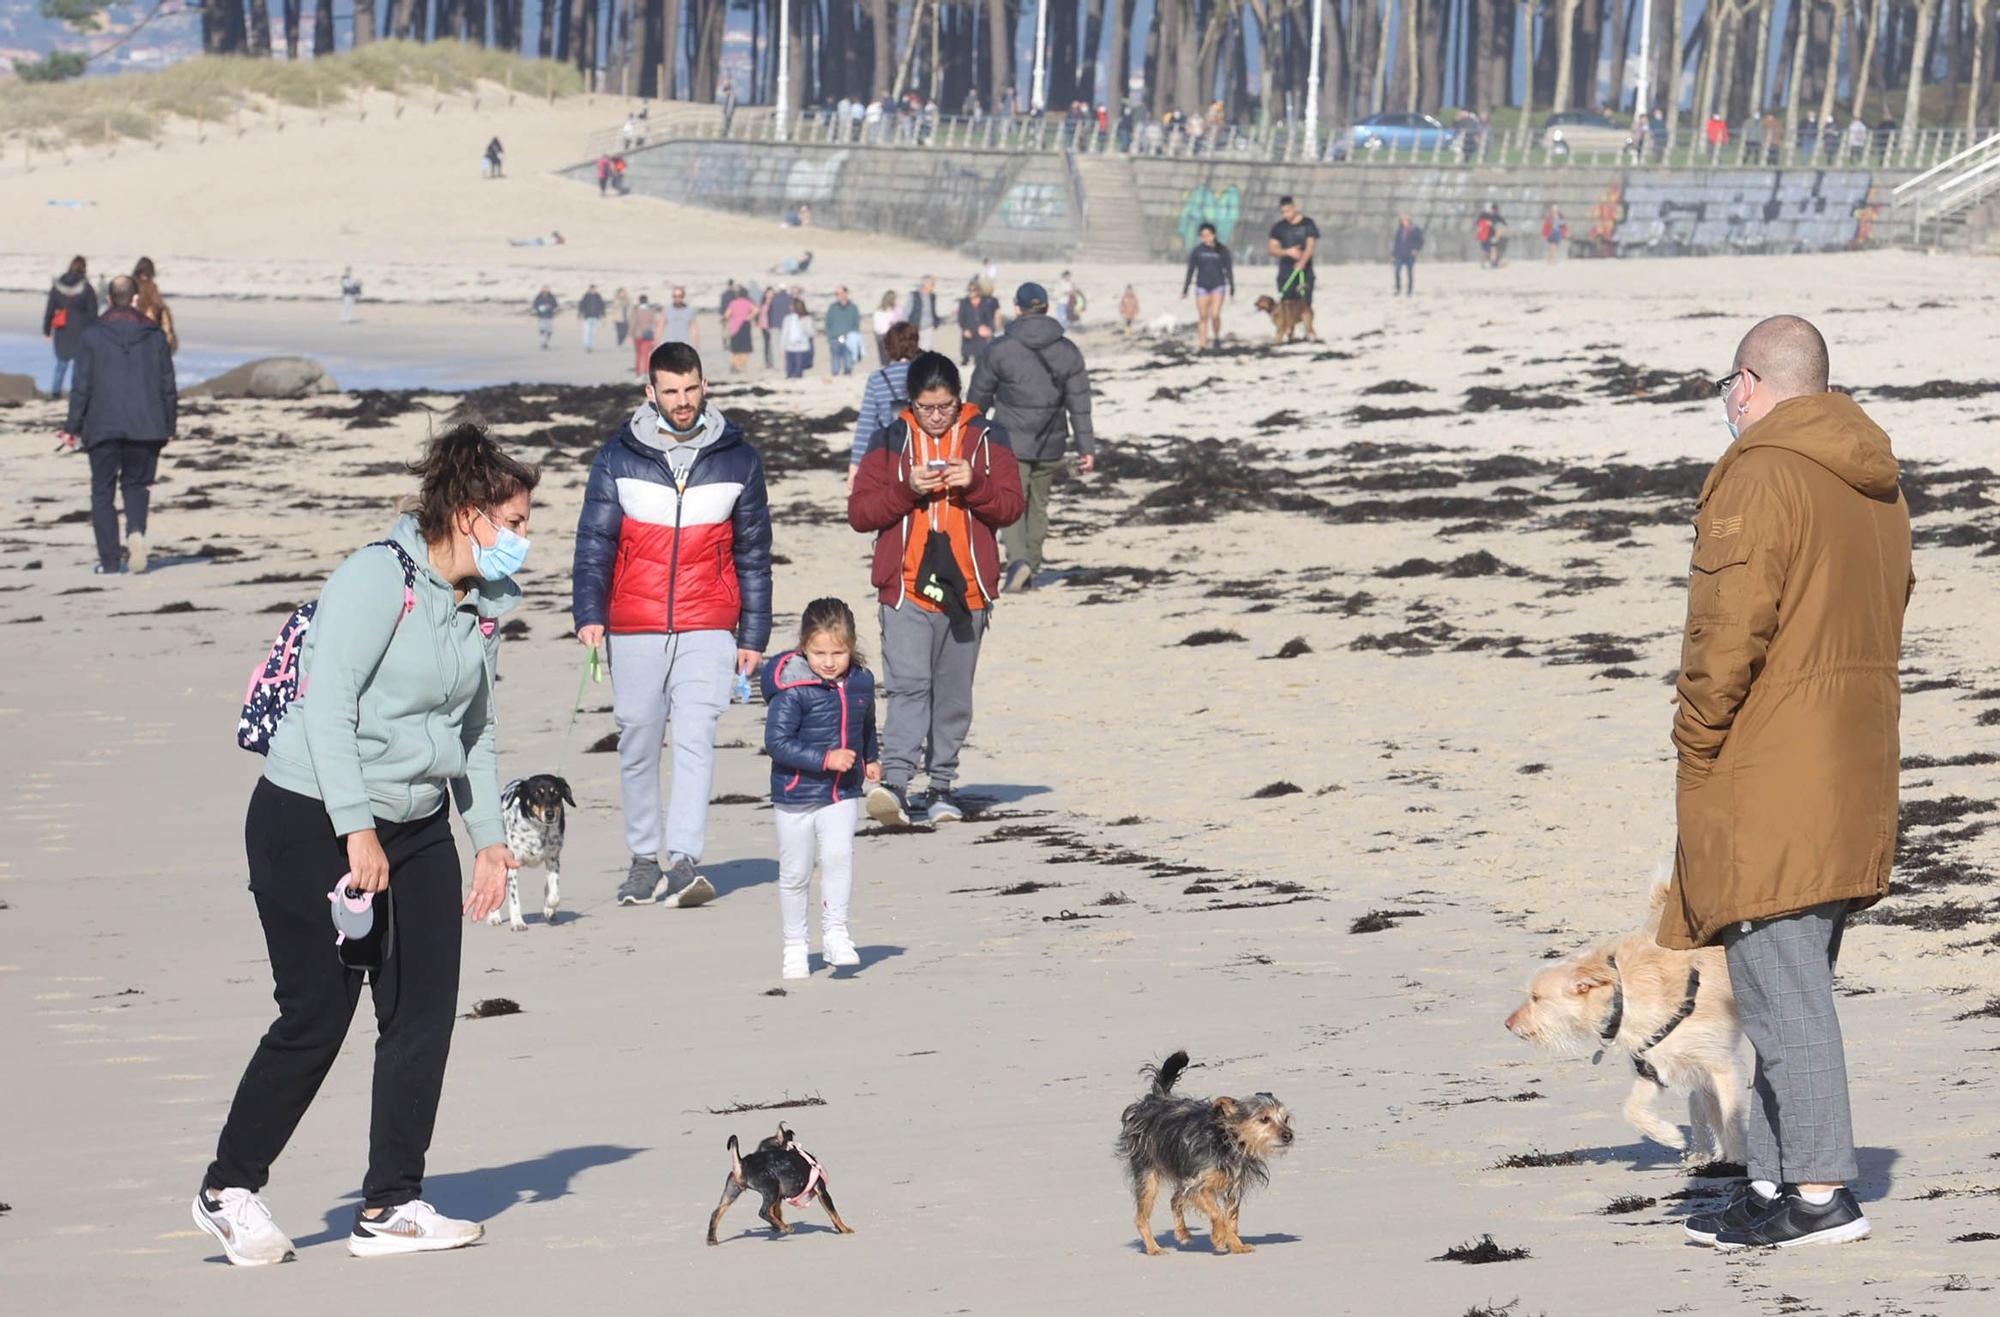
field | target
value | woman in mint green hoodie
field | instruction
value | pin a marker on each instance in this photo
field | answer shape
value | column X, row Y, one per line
column 395, row 711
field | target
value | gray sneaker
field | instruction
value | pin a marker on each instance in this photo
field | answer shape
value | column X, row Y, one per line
column 944, row 808
column 686, row 889
column 642, row 881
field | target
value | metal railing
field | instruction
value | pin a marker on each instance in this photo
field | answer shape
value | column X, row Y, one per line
column 1285, row 141
column 1951, row 187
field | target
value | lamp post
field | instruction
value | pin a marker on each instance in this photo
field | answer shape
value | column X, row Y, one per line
column 784, row 66
column 1312, row 84
column 1038, row 89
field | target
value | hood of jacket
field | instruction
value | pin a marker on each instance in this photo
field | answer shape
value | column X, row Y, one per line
column 490, row 599
column 125, row 327
column 789, row 671
column 1828, row 428
column 1037, row 329
column 77, row 287
column 710, row 428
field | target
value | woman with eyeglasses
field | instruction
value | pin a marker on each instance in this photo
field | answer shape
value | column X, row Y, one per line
column 935, row 486
column 349, row 836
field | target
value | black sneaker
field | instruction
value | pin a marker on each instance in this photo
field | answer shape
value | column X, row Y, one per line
column 1745, row 1208
column 1793, row 1221
column 888, row 806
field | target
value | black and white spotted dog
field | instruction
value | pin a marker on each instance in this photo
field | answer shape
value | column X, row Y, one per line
column 532, row 809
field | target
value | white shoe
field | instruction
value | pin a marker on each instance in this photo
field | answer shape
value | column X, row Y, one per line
column 838, row 947
column 241, row 1223
column 414, row 1227
column 796, row 966
column 135, row 544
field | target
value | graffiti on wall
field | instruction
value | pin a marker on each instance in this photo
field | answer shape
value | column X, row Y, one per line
column 812, row 178
column 1032, row 206
column 1743, row 210
column 1206, row 206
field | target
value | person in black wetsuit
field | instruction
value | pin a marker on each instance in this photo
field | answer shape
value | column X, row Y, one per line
column 1212, row 271
column 1294, row 238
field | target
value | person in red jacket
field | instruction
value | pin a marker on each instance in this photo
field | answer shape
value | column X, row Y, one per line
column 935, row 486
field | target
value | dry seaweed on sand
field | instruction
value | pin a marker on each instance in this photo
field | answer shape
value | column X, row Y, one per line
column 737, row 798
column 1488, row 397
column 784, row 1104
column 1068, row 917
column 487, row 1008
column 1536, row 1160
column 1481, row 1251
column 1213, row 636
column 1378, row 921
column 603, row 745
column 1293, row 648
column 1272, row 790
column 1625, row 1204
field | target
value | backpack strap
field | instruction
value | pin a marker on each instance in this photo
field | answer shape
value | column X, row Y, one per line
column 409, row 574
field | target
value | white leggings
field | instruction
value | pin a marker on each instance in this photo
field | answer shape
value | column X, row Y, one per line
column 815, row 832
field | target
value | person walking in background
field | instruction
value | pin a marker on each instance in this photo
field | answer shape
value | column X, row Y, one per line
column 645, row 332
column 819, row 729
column 843, row 333
column 1035, row 386
column 922, row 311
column 544, row 307
column 886, row 394
column 148, row 302
column 935, row 486
column 1404, row 245
column 766, row 323
column 604, row 175
column 71, row 309
column 978, row 321
column 797, row 336
column 495, row 154
column 621, row 315
column 1555, row 231
column 737, row 319
column 888, row 312
column 1212, row 272
column 673, row 563
column 1788, row 753
column 590, row 310
column 354, row 805
column 350, row 293
column 1128, row 309
column 679, row 322
column 123, row 410
column 1294, row 240
column 1060, row 306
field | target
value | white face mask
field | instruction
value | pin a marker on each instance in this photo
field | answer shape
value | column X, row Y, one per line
column 1735, row 421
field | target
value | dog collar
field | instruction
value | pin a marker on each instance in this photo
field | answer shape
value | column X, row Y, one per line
column 1616, row 1019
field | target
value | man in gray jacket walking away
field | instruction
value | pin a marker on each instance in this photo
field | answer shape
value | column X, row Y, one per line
column 123, row 409
column 1034, row 383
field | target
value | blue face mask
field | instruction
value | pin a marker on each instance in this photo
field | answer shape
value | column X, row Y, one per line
column 1731, row 419
column 507, row 554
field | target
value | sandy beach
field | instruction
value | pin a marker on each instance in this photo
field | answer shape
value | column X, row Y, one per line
column 1464, row 517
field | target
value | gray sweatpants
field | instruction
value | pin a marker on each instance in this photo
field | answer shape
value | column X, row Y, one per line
column 929, row 679
column 683, row 676
column 1800, row 1130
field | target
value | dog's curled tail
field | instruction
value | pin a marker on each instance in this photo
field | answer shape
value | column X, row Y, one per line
column 735, row 1161
column 1165, row 1073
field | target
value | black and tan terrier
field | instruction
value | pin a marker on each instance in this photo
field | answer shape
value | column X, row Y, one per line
column 1210, row 1152
column 781, row 1172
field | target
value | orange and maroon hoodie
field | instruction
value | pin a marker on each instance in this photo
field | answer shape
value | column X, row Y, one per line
column 884, row 504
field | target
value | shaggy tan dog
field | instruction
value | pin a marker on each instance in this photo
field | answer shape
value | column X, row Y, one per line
column 1290, row 316
column 1670, row 1012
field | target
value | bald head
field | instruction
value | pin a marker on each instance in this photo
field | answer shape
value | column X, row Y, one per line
column 123, row 289
column 1787, row 354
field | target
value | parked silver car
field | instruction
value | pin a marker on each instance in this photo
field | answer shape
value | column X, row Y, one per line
column 1584, row 132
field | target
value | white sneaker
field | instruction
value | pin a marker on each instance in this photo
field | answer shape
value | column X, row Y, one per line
column 135, row 544
column 241, row 1223
column 795, row 961
column 414, row 1227
column 838, row 947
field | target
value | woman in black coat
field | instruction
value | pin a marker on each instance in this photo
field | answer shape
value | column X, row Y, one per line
column 72, row 309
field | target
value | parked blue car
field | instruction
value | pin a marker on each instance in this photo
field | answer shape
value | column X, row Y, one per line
column 1402, row 133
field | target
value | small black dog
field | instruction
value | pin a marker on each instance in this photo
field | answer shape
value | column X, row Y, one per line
column 1212, row 1152
column 532, row 811
column 781, row 1172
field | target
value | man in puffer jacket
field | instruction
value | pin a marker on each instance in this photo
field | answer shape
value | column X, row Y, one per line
column 1034, row 384
column 673, row 564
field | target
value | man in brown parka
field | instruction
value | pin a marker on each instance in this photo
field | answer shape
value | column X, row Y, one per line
column 1788, row 756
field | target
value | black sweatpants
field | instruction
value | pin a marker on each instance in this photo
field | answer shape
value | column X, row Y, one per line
column 295, row 858
column 117, row 465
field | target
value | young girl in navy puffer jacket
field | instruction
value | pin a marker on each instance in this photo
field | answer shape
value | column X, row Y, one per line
column 820, row 733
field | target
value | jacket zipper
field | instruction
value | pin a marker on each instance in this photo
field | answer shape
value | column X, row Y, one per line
column 674, row 554
column 840, row 689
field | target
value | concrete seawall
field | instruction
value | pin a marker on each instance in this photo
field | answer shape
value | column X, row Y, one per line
column 1052, row 206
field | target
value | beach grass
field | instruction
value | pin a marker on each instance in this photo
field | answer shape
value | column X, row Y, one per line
column 213, row 88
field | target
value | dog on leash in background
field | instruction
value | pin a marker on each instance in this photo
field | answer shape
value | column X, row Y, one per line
column 1209, row 1152
column 780, row 1171
column 532, row 810
column 1671, row 1013
column 1289, row 315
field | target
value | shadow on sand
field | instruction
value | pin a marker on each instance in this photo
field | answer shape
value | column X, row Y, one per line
column 870, row 957
column 481, row 1195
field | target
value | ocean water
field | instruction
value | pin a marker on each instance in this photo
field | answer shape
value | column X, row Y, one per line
column 29, row 354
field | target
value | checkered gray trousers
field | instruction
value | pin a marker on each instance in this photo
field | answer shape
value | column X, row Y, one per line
column 1800, row 1130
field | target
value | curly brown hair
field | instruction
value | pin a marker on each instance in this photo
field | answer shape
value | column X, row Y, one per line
column 463, row 468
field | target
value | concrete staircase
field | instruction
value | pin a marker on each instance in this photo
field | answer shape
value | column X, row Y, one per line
column 1114, row 228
